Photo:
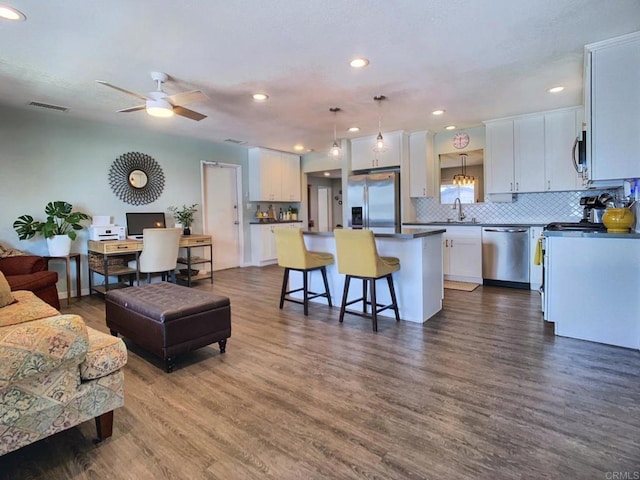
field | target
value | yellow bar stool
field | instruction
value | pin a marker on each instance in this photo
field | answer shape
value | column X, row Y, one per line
column 358, row 258
column 293, row 255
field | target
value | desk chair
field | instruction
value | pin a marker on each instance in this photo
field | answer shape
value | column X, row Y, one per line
column 159, row 252
column 293, row 255
column 358, row 258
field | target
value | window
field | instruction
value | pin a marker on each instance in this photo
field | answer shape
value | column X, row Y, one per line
column 449, row 192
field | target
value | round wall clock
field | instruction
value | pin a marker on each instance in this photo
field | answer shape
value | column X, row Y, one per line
column 460, row 140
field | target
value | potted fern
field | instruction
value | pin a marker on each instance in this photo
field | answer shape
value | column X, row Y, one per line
column 59, row 228
column 184, row 216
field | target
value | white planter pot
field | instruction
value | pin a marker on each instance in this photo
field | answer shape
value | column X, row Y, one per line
column 59, row 245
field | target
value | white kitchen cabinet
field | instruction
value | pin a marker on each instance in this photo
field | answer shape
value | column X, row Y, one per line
column 263, row 242
column 591, row 288
column 532, row 153
column 535, row 271
column 462, row 254
column 612, row 77
column 273, row 176
column 561, row 128
column 528, row 148
column 364, row 158
column 423, row 170
column 499, row 157
column 290, row 177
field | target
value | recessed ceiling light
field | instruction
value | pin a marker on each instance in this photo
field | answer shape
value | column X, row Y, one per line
column 260, row 97
column 298, row 147
column 10, row 13
column 359, row 62
column 354, row 129
column 450, row 127
column 437, row 112
column 327, row 174
column 556, row 89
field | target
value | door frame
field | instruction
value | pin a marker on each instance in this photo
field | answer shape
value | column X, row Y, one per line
column 239, row 205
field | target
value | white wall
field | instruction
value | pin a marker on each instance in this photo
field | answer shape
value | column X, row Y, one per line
column 46, row 156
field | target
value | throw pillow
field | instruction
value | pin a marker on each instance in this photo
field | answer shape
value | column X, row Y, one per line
column 5, row 292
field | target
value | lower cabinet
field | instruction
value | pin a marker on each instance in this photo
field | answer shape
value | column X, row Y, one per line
column 462, row 254
column 535, row 271
column 263, row 242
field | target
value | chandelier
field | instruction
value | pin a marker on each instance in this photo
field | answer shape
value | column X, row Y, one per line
column 462, row 178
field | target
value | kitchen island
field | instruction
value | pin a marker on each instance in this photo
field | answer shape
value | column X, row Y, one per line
column 418, row 284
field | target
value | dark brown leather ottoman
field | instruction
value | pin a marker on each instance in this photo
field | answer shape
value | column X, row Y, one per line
column 169, row 319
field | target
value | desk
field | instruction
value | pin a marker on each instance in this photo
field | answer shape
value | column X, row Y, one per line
column 110, row 258
column 67, row 259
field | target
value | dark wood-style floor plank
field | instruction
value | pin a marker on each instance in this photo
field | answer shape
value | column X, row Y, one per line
column 482, row 390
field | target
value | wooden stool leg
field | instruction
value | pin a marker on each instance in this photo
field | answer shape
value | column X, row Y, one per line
column 345, row 294
column 374, row 304
column 285, row 280
column 364, row 295
column 393, row 297
column 326, row 284
column 305, row 291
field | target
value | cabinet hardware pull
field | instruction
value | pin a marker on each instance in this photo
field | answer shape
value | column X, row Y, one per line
column 511, row 186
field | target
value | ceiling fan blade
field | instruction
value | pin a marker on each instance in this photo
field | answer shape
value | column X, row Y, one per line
column 185, row 98
column 132, row 109
column 123, row 90
column 185, row 112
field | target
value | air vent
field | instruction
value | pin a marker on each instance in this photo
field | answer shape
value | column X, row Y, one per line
column 237, row 142
column 49, row 106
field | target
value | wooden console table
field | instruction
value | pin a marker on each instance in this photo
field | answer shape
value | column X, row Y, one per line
column 111, row 257
column 67, row 259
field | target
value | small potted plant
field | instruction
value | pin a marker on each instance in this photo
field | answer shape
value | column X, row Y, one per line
column 59, row 228
column 184, row 216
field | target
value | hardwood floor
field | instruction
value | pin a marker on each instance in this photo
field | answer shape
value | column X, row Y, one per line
column 483, row 390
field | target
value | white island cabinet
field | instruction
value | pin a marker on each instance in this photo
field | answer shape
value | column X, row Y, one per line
column 418, row 284
column 592, row 286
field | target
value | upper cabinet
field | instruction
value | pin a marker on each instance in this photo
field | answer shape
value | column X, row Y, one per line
column 423, row 166
column 612, row 96
column 364, row 158
column 273, row 176
column 533, row 153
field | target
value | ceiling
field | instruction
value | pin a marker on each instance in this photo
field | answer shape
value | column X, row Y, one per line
column 476, row 59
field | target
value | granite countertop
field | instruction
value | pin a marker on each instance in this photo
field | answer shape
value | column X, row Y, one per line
column 574, row 234
column 405, row 233
column 271, row 222
column 473, row 224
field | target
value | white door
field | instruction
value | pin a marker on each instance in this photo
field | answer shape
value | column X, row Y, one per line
column 324, row 208
column 221, row 193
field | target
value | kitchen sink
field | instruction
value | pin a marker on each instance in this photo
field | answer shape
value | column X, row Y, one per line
column 455, row 222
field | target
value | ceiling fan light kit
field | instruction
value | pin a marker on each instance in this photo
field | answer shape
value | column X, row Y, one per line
column 160, row 104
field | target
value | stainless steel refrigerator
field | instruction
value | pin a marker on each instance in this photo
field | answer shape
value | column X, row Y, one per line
column 373, row 201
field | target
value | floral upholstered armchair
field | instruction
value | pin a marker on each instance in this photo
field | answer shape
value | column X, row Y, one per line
column 55, row 372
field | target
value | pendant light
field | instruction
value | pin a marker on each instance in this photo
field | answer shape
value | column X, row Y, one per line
column 380, row 145
column 335, row 152
column 462, row 178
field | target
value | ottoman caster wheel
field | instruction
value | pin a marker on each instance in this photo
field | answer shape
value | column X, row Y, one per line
column 223, row 345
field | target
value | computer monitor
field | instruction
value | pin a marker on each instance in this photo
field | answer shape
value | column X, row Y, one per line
column 138, row 221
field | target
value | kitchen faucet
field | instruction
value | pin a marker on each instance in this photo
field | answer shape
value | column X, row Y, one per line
column 461, row 216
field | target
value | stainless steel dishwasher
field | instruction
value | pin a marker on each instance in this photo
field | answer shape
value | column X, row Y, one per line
column 505, row 256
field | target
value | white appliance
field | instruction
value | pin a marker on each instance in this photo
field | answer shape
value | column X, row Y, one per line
column 106, row 232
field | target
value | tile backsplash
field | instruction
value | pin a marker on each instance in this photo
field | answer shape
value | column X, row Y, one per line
column 534, row 208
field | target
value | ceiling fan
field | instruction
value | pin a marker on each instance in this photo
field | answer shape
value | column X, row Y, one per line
column 160, row 104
